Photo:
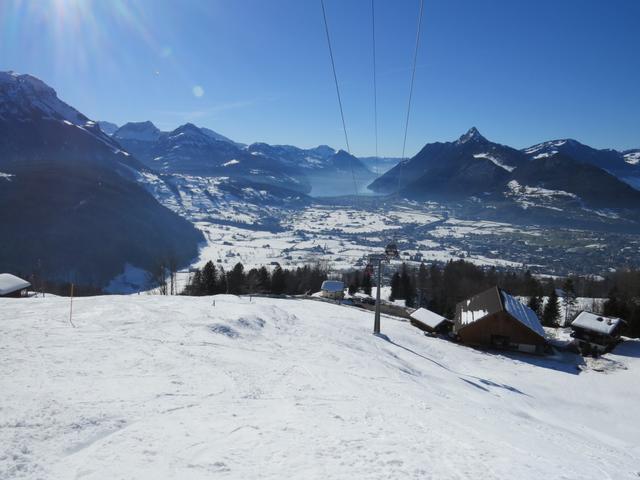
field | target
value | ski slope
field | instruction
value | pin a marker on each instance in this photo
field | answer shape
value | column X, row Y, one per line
column 150, row 387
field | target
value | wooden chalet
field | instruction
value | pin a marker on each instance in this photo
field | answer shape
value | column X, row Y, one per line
column 495, row 319
column 595, row 334
column 430, row 322
column 12, row 286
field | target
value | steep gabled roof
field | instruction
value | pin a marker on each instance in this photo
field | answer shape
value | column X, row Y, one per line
column 522, row 313
column 496, row 300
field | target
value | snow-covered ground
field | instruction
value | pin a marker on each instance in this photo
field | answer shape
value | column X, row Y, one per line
column 177, row 387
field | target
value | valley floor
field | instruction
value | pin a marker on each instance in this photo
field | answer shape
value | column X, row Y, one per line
column 228, row 387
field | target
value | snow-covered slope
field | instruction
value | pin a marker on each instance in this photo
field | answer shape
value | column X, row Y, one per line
column 199, row 388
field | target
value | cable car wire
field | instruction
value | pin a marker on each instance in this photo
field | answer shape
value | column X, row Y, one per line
column 375, row 85
column 413, row 75
column 335, row 79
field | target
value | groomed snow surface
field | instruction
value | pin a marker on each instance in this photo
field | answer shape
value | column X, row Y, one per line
column 149, row 387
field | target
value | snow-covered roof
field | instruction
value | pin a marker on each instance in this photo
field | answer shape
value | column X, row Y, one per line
column 596, row 323
column 429, row 318
column 10, row 283
column 332, row 286
column 522, row 313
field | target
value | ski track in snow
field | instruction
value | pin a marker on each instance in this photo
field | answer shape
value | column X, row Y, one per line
column 144, row 387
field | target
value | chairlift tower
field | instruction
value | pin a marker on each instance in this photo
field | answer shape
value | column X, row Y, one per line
column 390, row 252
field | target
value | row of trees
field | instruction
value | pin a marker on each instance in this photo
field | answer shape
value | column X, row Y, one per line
column 211, row 280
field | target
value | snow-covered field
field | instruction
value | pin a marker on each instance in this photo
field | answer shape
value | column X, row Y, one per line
column 176, row 387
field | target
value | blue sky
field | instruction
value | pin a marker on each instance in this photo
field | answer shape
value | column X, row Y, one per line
column 257, row 70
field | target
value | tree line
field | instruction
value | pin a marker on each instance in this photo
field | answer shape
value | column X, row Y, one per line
column 212, row 280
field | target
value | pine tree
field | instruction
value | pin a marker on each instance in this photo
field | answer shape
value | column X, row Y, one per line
column 222, row 286
column 407, row 286
column 395, row 287
column 551, row 311
column 208, row 279
column 278, row 281
column 196, row 283
column 236, row 280
column 264, row 280
column 366, row 283
column 569, row 299
column 422, row 285
column 535, row 304
column 252, row 281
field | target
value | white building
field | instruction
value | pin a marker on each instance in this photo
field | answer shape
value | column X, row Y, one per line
column 332, row 289
column 12, row 286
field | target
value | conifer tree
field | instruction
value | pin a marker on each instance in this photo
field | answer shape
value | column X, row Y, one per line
column 278, row 281
column 569, row 299
column 535, row 304
column 551, row 311
column 236, row 280
column 366, row 283
column 264, row 280
column 395, row 287
column 222, row 285
column 208, row 285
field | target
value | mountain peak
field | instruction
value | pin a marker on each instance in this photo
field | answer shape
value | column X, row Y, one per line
column 28, row 97
column 472, row 135
column 143, row 131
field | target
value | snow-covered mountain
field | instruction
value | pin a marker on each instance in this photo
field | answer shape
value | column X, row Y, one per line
column 459, row 168
column 197, row 151
column 26, row 98
column 191, row 150
column 607, row 159
column 555, row 182
column 220, row 137
column 107, row 127
column 138, row 131
column 328, row 171
column 632, row 156
column 68, row 191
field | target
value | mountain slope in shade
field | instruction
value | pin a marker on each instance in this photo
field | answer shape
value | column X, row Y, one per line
column 138, row 131
column 380, row 165
column 594, row 186
column 108, row 127
column 607, row 159
column 329, row 172
column 191, row 150
column 70, row 203
column 461, row 168
column 537, row 185
column 221, row 138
